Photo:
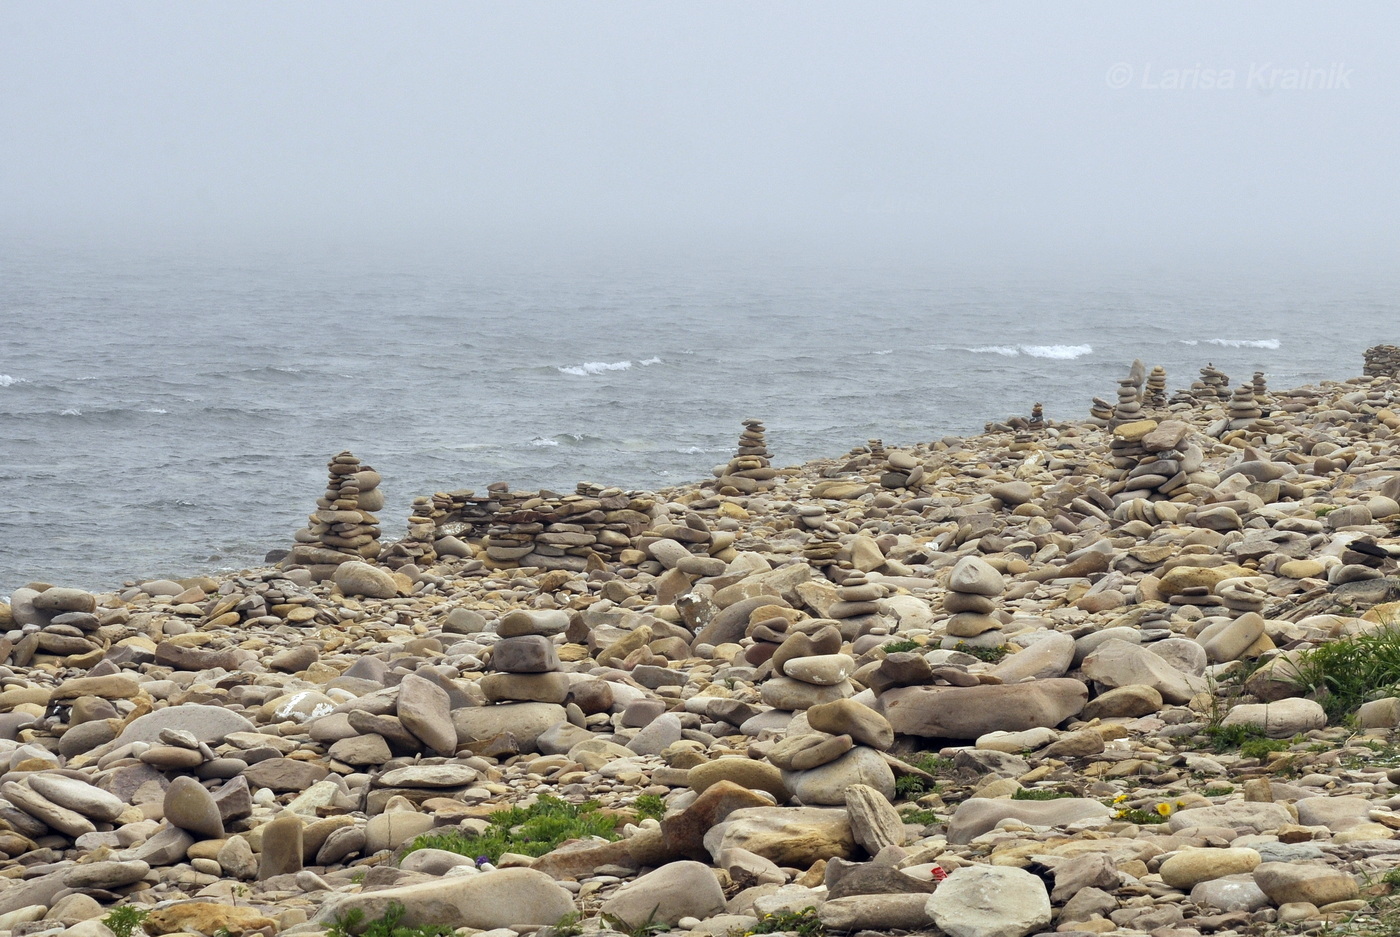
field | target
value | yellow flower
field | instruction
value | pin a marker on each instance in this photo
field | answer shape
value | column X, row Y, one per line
column 1120, row 798
column 1165, row 809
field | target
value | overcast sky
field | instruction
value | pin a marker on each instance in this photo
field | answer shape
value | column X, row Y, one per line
column 946, row 127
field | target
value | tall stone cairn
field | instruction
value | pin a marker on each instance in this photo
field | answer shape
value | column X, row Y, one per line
column 342, row 529
column 1156, row 396
column 751, row 469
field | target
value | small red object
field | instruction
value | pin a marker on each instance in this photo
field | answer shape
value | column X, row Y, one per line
column 938, row 873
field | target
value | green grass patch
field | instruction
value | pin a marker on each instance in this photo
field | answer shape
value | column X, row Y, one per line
column 1230, row 738
column 649, row 807
column 1260, row 748
column 1029, row 793
column 390, row 925
column 125, row 920
column 990, row 655
column 1218, row 790
column 918, row 817
column 896, row 647
column 529, row 831
column 1343, row 674
column 643, row 929
column 804, row 923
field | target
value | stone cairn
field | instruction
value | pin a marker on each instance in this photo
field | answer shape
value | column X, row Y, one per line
column 1037, row 420
column 1214, row 384
column 902, row 470
column 1261, row 391
column 1243, row 409
column 1148, row 461
column 417, row 546
column 1129, row 406
column 857, row 606
column 974, row 592
column 751, row 469
column 839, row 750
column 343, row 529
column 524, row 663
column 1382, row 361
column 1156, row 396
column 1100, row 412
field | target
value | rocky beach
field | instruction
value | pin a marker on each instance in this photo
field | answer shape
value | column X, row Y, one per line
column 1065, row 676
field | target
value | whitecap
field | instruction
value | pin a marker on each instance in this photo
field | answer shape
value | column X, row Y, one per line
column 595, row 367
column 6, row 380
column 71, row 411
column 544, row 441
column 154, row 410
column 1270, row 343
column 1009, row 350
column 649, row 361
column 1057, row 351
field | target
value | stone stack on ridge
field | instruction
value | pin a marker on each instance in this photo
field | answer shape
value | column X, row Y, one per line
column 974, row 593
column 1243, row 410
column 342, row 529
column 876, row 448
column 751, row 469
column 1037, row 420
column 1382, row 361
column 1260, row 386
column 549, row 531
column 1155, row 397
column 834, row 751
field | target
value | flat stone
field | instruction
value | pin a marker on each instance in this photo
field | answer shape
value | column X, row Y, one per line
column 977, row 815
column 989, row 901
column 1189, row 867
column 848, row 717
column 1287, row 882
column 424, row 709
column 504, row 898
column 971, row 712
column 827, row 784
column 746, row 772
column 676, row 890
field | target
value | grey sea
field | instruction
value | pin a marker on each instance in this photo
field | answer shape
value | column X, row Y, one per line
column 163, row 414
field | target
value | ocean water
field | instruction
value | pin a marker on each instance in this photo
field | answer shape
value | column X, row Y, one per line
column 166, row 414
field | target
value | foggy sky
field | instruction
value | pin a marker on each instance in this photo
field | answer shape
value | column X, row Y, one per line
column 945, row 128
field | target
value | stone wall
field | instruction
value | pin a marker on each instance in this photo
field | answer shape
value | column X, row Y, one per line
column 1383, row 361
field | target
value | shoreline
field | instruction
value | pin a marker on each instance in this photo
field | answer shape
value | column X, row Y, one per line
column 1019, row 646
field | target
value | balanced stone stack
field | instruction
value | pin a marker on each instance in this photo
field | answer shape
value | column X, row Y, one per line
column 876, row 448
column 1151, row 460
column 524, row 662
column 1213, row 385
column 1037, row 420
column 1261, row 391
column 809, row 668
column 1382, row 361
column 974, row 592
column 1242, row 410
column 1156, row 395
column 857, row 606
column 417, row 545
column 836, row 757
column 343, row 529
column 1129, row 406
column 751, row 469
column 902, row 470
column 1100, row 412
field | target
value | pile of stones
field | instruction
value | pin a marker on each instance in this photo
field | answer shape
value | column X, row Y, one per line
column 1151, row 460
column 524, row 663
column 974, row 594
column 1155, row 397
column 343, row 529
column 751, row 469
column 1243, row 409
column 1382, row 361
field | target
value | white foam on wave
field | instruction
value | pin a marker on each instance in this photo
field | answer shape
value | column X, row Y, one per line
column 1061, row 352
column 544, row 441
column 71, row 411
column 1065, row 352
column 595, row 367
column 649, row 361
column 6, row 380
column 1270, row 343
column 154, row 410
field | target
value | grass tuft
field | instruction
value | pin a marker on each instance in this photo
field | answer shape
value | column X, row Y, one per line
column 529, row 831
column 1343, row 674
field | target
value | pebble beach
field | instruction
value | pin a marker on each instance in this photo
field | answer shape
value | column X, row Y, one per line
column 1051, row 678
